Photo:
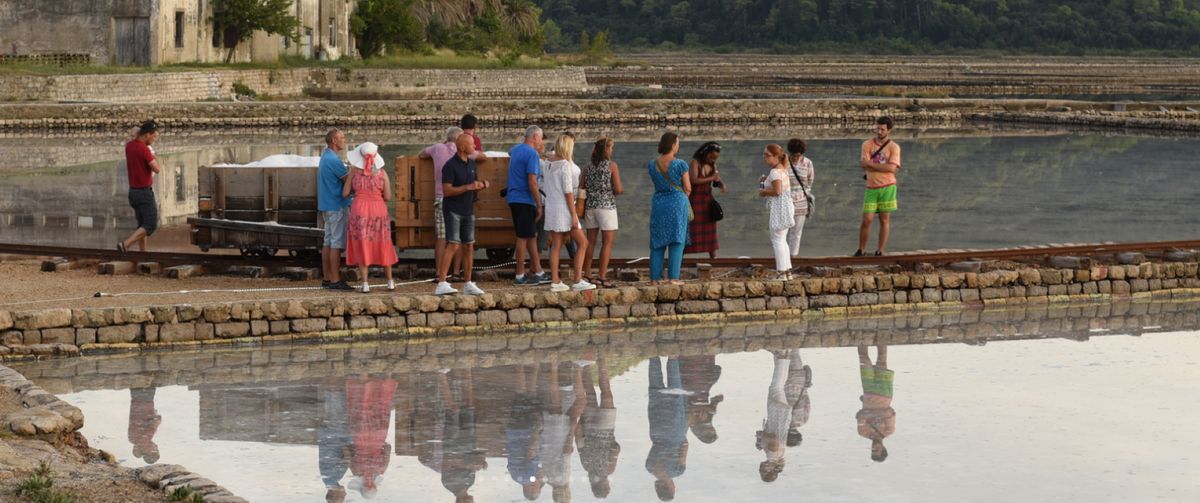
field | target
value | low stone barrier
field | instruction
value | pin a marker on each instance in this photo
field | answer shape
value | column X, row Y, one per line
column 68, row 332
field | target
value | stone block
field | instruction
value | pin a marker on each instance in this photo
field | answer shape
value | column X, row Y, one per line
column 336, row 323
column 30, row 337
column 307, row 325
column 900, row 297
column 798, row 302
column 204, row 331
column 1081, row 276
column 544, row 314
column 177, row 332
column 1154, row 285
column 669, row 293
column 1036, row 291
column 619, row 311
column 734, row 289
column 1067, row 262
column 969, row 295
column 988, row 279
column 914, row 296
column 756, row 304
column 820, row 301
column 863, row 299
column 578, row 313
column 231, row 329
column 1091, row 288
column 88, row 335
column 777, row 303
column 492, row 317
column 280, row 327
column 1139, row 285
column 952, row 279
column 993, row 293
column 900, row 281
column 359, row 322
column 6, row 321
column 756, row 289
column 813, row 286
column 1029, row 276
column 733, row 305
column 58, row 336
column 931, row 294
column 466, row 319
column 951, row 295
column 643, row 310
column 518, row 315
column 416, row 320
column 599, row 312
column 1051, row 276
column 43, row 318
column 1056, row 290
column 1146, row 270
column 438, row 320
column 427, row 303
column 1104, row 286
column 119, row 334
column 698, row 306
column 665, row 309
column 1116, row 272
column 390, row 322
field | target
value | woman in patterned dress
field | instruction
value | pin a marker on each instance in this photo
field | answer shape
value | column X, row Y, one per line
column 668, row 209
column 704, row 176
column 369, row 233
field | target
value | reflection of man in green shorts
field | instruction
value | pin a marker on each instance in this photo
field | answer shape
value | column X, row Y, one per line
column 880, row 161
column 877, row 418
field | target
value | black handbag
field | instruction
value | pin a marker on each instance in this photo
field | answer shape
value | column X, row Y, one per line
column 716, row 212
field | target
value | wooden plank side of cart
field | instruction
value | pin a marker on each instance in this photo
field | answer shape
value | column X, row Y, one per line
column 414, row 205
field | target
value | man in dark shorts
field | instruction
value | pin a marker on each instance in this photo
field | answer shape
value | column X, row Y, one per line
column 141, row 165
column 525, row 201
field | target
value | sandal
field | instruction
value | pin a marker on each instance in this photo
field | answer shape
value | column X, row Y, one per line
column 604, row 282
column 121, row 247
column 676, row 282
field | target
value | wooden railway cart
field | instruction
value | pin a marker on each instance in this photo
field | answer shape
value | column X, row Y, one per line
column 414, row 207
column 258, row 210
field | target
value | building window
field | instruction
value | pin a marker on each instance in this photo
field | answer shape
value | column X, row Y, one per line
column 179, row 29
column 332, row 33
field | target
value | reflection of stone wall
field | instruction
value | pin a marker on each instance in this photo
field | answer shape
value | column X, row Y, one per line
column 213, row 368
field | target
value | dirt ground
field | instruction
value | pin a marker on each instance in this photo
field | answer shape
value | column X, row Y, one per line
column 77, row 471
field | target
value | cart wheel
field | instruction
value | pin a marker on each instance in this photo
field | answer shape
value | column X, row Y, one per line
column 268, row 252
column 499, row 254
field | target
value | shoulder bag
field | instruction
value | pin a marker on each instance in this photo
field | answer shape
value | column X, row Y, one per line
column 715, row 212
column 812, row 203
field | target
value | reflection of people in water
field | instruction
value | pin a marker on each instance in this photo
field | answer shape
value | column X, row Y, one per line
column 461, row 458
column 523, row 430
column 877, row 419
column 369, row 407
column 143, row 424
column 598, row 447
column 333, row 440
column 667, row 412
column 699, row 374
column 560, row 418
column 788, row 408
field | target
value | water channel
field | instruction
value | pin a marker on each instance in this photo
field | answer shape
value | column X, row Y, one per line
column 966, row 187
column 1044, row 403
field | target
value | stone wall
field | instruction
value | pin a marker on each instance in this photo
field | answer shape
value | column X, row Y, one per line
column 67, row 332
column 176, row 87
column 299, row 362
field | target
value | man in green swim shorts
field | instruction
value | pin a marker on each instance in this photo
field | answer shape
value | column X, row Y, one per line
column 877, row 418
column 880, row 161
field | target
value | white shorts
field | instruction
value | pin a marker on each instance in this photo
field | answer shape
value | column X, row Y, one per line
column 604, row 219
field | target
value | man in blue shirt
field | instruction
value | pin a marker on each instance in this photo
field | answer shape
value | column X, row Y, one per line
column 335, row 209
column 525, row 201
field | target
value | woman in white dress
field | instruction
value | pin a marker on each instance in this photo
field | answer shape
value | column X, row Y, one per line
column 561, row 218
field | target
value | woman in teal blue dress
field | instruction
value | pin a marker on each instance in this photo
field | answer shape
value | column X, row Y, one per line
column 668, row 209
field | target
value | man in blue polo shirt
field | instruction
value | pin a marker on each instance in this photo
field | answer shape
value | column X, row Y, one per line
column 335, row 209
column 526, row 203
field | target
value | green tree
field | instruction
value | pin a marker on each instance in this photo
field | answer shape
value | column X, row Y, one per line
column 237, row 20
column 381, row 24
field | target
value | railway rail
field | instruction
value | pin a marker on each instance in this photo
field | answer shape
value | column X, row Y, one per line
column 908, row 259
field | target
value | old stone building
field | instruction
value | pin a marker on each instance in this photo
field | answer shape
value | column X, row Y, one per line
column 155, row 32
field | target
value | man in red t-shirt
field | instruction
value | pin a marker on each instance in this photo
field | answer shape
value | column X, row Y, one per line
column 141, row 167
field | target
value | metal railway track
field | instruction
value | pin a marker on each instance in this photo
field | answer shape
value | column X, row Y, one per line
column 902, row 259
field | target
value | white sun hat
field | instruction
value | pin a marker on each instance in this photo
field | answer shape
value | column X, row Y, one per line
column 357, row 157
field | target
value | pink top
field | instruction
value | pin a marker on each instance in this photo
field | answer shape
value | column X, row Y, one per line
column 442, row 152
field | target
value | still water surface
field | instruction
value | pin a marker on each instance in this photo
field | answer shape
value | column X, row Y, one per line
column 1070, row 408
column 955, row 191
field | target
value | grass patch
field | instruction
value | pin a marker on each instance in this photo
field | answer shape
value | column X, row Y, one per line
column 39, row 487
column 185, row 494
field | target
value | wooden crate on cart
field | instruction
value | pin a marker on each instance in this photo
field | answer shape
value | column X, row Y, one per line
column 414, row 207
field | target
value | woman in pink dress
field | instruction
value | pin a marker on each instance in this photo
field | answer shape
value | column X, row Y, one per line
column 369, row 233
column 369, row 405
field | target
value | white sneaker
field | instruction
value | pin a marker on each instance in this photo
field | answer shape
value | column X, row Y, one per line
column 472, row 289
column 391, row 285
column 444, row 288
column 365, row 288
column 583, row 285
column 559, row 287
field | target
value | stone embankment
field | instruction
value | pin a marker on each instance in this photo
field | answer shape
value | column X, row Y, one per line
column 67, row 332
column 39, row 428
column 175, row 87
column 298, row 362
